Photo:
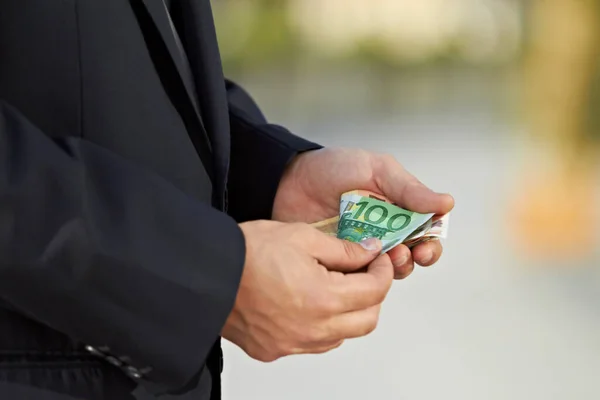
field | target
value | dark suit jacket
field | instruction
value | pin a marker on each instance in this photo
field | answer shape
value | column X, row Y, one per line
column 126, row 162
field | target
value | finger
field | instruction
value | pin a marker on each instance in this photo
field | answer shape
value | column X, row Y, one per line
column 354, row 324
column 400, row 255
column 407, row 191
column 354, row 292
column 341, row 255
column 319, row 349
column 428, row 253
column 403, row 264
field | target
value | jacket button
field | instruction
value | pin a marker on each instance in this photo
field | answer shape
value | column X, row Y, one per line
column 133, row 372
column 94, row 351
column 125, row 359
column 114, row 361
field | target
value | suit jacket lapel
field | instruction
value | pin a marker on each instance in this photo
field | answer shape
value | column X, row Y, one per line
column 160, row 14
column 171, row 65
column 197, row 27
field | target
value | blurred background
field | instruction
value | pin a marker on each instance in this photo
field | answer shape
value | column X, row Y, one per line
column 494, row 101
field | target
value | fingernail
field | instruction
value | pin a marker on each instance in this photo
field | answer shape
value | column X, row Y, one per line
column 371, row 244
column 401, row 261
column 427, row 259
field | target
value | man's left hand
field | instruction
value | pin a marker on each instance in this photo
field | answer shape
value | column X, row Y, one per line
column 313, row 183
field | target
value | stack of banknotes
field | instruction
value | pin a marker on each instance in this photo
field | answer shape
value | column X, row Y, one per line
column 365, row 214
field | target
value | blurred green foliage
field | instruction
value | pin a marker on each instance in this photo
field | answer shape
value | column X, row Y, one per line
column 257, row 35
column 253, row 34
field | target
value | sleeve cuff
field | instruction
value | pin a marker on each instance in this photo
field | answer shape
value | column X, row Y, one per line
column 260, row 154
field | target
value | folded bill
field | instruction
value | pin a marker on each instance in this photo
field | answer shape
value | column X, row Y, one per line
column 364, row 214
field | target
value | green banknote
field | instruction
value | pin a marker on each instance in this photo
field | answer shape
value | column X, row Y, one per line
column 364, row 215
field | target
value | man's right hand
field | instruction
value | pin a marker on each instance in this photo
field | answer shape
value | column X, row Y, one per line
column 296, row 295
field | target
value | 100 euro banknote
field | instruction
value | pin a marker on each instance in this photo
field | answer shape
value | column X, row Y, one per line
column 364, row 214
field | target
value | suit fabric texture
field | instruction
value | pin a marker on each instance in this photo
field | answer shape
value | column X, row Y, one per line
column 127, row 161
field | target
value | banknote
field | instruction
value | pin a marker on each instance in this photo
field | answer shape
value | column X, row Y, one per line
column 328, row 226
column 365, row 214
column 436, row 227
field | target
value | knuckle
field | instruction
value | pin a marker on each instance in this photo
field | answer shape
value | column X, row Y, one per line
column 265, row 225
column 371, row 328
column 313, row 334
column 327, row 304
column 332, row 305
column 337, row 345
column 302, row 336
column 350, row 249
column 266, row 357
column 269, row 358
column 281, row 350
column 328, row 348
column 371, row 322
column 298, row 305
column 380, row 296
column 388, row 159
column 298, row 231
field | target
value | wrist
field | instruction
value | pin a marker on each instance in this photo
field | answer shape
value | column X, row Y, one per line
column 289, row 183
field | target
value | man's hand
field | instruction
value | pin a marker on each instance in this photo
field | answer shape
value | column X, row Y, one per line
column 311, row 187
column 289, row 302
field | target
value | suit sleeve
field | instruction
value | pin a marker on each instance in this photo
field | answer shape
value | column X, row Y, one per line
column 111, row 254
column 260, row 153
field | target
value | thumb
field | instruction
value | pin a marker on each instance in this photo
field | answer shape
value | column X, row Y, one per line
column 417, row 197
column 344, row 256
column 408, row 192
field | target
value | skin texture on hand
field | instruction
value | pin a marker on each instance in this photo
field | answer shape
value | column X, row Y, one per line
column 297, row 294
column 311, row 187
